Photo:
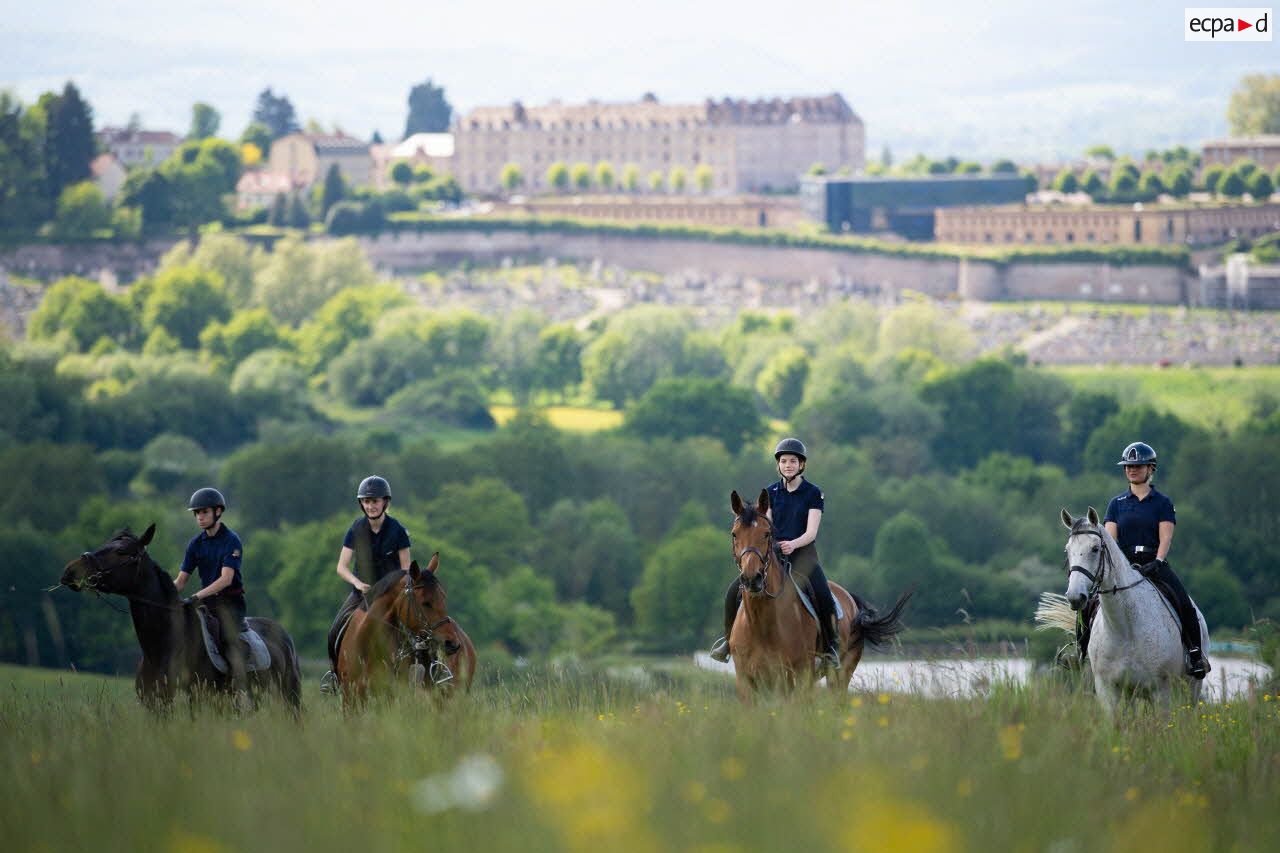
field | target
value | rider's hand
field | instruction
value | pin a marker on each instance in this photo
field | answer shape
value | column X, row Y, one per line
column 786, row 546
column 191, row 601
column 364, row 588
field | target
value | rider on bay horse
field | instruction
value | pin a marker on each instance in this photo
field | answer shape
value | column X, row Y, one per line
column 795, row 509
column 1141, row 519
column 216, row 554
column 379, row 544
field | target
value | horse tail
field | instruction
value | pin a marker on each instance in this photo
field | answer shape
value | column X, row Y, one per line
column 877, row 629
column 1053, row 611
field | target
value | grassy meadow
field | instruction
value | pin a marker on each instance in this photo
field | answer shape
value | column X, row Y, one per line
column 637, row 757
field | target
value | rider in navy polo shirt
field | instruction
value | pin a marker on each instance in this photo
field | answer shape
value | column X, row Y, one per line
column 1142, row 520
column 379, row 545
column 216, row 554
column 795, row 510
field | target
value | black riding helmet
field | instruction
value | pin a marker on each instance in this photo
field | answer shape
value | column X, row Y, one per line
column 1138, row 453
column 794, row 446
column 374, row 487
column 207, row 497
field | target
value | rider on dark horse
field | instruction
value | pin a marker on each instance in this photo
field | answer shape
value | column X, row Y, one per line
column 795, row 509
column 216, row 554
column 379, row 544
column 1141, row 519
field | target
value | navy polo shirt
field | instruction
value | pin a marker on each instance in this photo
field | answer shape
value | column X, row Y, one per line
column 1138, row 521
column 207, row 555
column 385, row 546
column 790, row 510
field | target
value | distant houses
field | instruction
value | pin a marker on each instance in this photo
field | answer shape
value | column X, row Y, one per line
column 137, row 147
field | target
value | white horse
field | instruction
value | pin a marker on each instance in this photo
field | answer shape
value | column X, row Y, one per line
column 1135, row 647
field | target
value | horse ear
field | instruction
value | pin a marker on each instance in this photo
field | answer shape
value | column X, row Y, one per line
column 145, row 540
column 434, row 562
column 735, row 502
column 762, row 502
column 1066, row 518
column 1093, row 516
column 414, row 571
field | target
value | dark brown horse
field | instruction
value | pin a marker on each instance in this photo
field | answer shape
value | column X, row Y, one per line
column 173, row 648
column 774, row 637
column 405, row 633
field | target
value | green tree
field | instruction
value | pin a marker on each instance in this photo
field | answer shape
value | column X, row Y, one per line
column 275, row 113
column 817, row 170
column 1122, row 181
column 580, row 176
column 703, row 178
column 1004, row 167
column 85, row 311
column 148, row 190
column 244, row 334
column 604, row 175
column 656, row 181
column 558, row 358
column 401, row 172
column 1254, row 108
column 270, row 383
column 297, row 278
column 591, row 553
column 1066, row 181
column 1213, row 176
column 512, row 177
column 486, row 517
column 1261, row 186
column 199, row 175
column 968, row 167
column 183, row 300
column 204, row 121
column 172, row 464
column 69, row 145
column 1100, row 152
column 1178, row 179
column 1091, row 182
column 558, row 176
column 677, row 179
column 82, row 210
column 677, row 603
column 294, row 481
column 258, row 135
column 1150, row 185
column 43, row 462
column 639, row 347
column 429, row 110
column 23, row 200
column 1232, row 184
column 631, row 177
column 781, row 382
column 687, row 407
column 348, row 316
column 335, row 189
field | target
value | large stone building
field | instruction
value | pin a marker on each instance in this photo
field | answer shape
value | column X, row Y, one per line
column 1263, row 150
column 135, row 147
column 305, row 158
column 749, row 146
column 904, row 206
column 1149, row 225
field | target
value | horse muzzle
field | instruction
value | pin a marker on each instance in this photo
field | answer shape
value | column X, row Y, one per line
column 1077, row 601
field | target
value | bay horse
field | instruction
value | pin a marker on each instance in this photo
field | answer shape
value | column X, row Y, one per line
column 404, row 632
column 774, row 638
column 173, row 647
column 1135, row 647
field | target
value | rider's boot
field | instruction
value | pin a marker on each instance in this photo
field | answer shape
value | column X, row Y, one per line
column 1197, row 666
column 732, row 597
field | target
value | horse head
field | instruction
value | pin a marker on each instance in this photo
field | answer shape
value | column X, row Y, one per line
column 753, row 542
column 1088, row 556
column 114, row 567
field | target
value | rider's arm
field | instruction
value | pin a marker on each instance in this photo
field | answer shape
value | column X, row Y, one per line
column 405, row 559
column 1166, row 539
column 181, row 580
column 810, row 530
column 224, row 580
column 344, row 561
column 1113, row 529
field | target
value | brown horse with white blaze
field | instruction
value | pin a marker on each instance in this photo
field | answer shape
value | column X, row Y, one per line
column 405, row 633
column 774, row 637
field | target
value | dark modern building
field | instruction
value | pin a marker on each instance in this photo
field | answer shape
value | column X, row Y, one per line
column 904, row 206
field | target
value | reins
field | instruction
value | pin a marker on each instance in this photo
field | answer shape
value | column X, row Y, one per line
column 1105, row 562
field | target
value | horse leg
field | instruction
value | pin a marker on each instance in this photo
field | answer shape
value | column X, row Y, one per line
column 1108, row 695
column 849, row 661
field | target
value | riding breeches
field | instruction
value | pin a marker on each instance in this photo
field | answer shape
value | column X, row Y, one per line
column 1163, row 577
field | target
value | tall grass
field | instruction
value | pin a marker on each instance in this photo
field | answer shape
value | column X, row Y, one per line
column 635, row 758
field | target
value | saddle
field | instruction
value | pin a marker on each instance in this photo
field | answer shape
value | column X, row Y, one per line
column 252, row 648
column 807, row 601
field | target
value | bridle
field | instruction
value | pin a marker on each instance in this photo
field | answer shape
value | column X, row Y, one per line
column 763, row 557
column 1105, row 563
column 97, row 571
column 421, row 644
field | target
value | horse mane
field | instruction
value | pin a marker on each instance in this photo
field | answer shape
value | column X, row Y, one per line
column 1083, row 525
column 384, row 584
column 748, row 514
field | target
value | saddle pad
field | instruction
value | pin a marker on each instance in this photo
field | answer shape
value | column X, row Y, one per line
column 808, row 605
column 259, row 656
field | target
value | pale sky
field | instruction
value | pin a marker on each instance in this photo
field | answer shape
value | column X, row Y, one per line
column 974, row 79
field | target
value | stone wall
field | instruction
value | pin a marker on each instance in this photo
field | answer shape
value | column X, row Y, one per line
column 107, row 262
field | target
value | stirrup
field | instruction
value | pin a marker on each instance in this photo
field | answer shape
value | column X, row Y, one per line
column 720, row 650
column 329, row 683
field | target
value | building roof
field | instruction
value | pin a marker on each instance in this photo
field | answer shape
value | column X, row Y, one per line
column 125, row 136
column 339, row 144
column 648, row 112
column 426, row 144
column 1268, row 140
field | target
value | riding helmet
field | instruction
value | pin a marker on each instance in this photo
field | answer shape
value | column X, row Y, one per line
column 1138, row 453
column 207, row 497
column 374, row 487
column 793, row 446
